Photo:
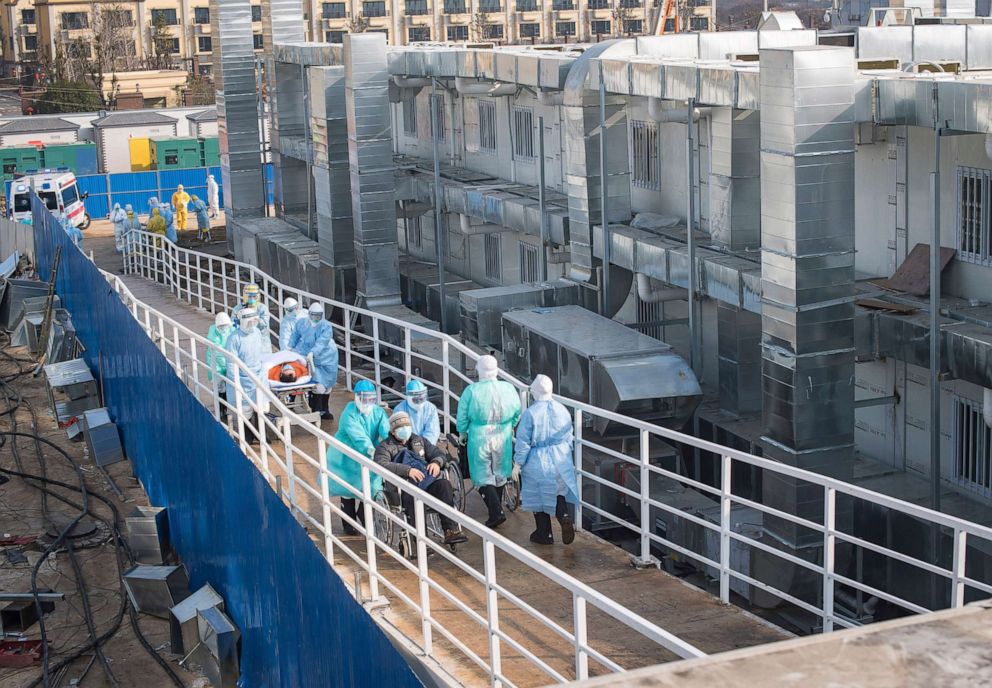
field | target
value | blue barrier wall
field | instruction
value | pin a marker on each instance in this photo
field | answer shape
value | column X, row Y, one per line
column 299, row 625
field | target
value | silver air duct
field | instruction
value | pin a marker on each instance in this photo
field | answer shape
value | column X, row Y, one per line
column 476, row 87
column 807, row 241
column 735, row 179
column 237, row 111
column 370, row 157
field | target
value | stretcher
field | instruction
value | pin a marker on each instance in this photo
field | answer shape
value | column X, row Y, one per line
column 295, row 395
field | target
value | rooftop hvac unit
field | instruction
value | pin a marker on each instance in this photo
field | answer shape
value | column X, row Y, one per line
column 481, row 310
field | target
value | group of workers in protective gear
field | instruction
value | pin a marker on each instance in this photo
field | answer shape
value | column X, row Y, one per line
column 167, row 219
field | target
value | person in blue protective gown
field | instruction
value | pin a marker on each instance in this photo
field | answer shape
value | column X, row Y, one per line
column 202, row 218
column 153, row 203
column 246, row 344
column 314, row 338
column 118, row 216
column 544, row 464
column 290, row 319
column 364, row 424
column 74, row 232
column 251, row 297
column 217, row 362
column 487, row 412
column 423, row 414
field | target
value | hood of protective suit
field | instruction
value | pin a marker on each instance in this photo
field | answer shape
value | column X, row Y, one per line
column 541, row 389
column 487, row 368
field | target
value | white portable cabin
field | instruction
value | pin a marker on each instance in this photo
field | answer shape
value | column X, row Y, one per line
column 113, row 131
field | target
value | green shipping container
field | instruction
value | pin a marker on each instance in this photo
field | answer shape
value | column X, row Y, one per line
column 175, row 153
column 78, row 157
column 209, row 151
column 19, row 160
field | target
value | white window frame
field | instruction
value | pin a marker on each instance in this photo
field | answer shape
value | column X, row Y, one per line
column 487, row 126
column 523, row 134
column 973, row 239
column 971, row 441
column 645, row 155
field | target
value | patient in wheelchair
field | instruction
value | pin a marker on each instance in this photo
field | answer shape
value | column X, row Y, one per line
column 412, row 457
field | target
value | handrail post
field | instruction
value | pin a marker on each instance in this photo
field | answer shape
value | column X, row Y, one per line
column 726, row 465
column 446, row 384
column 645, row 456
column 175, row 348
column 199, row 281
column 580, row 631
column 215, row 385
column 347, row 350
column 370, row 544
column 325, row 501
column 829, row 554
column 492, row 612
column 262, row 431
column 959, row 568
column 238, row 393
column 423, row 575
column 577, row 451
column 407, row 354
column 287, row 433
column 375, row 357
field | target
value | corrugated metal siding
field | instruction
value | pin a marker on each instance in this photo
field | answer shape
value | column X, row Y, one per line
column 299, row 625
column 137, row 187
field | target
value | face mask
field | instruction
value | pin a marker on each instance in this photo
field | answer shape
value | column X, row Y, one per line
column 248, row 327
column 416, row 402
column 364, row 407
column 314, row 318
column 292, row 311
column 404, row 433
column 224, row 329
column 252, row 300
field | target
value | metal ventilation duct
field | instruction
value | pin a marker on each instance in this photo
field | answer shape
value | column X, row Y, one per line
column 237, row 109
column 370, row 157
column 807, row 240
column 582, row 131
column 735, row 188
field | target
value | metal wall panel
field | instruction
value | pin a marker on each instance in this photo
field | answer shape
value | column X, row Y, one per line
column 300, row 626
column 885, row 42
column 719, row 45
column 979, row 46
column 938, row 43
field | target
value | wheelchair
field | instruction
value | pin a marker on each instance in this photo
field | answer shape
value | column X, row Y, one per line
column 458, row 469
column 400, row 539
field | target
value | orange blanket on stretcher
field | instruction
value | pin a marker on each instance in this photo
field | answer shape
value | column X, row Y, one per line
column 301, row 370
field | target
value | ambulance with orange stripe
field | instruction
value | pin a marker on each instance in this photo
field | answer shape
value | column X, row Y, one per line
column 57, row 188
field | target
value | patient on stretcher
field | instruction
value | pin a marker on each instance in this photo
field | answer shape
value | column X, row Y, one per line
column 285, row 369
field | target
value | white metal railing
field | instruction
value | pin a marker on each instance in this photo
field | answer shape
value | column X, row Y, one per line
column 385, row 347
column 300, row 476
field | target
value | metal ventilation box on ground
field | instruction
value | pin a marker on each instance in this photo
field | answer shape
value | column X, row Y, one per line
column 71, row 388
column 102, row 438
column 184, row 634
column 481, row 309
column 156, row 589
column 601, row 362
column 148, row 534
column 218, row 654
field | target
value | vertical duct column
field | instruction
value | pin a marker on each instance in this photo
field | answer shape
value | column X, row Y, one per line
column 370, row 156
column 739, row 349
column 283, row 20
column 332, row 177
column 237, row 110
column 807, row 241
column 735, row 179
column 582, row 169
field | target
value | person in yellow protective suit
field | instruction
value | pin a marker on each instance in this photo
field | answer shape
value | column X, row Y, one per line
column 156, row 223
column 180, row 201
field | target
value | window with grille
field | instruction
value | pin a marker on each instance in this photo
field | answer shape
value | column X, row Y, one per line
column 490, row 6
column 416, row 7
column 530, row 269
column 172, row 46
column 437, row 114
column 494, row 257
column 118, row 18
column 333, row 10
column 201, row 15
column 410, row 116
column 699, row 24
column 565, row 28
column 258, row 41
column 205, row 44
column 530, row 30
column 374, row 9
column 81, row 20
column 563, row 5
column 334, row 36
column 166, row 16
column 601, row 27
column 974, row 219
column 457, row 33
column 414, row 233
column 27, row 16
column 256, row 13
column 523, row 133
column 487, row 126
column 972, row 447
column 30, row 43
column 650, row 315
column 526, row 5
column 633, row 27
column 630, row 3
column 419, row 34
column 456, row 7
column 646, row 172
column 494, row 32
column 599, row 4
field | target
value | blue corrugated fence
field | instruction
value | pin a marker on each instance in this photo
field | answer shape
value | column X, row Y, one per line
column 299, row 625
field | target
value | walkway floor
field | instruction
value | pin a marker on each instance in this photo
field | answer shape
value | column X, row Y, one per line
column 691, row 614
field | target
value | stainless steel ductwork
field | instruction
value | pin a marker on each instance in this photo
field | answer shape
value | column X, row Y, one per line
column 370, row 158
column 237, row 111
column 807, row 241
column 481, row 310
column 599, row 361
column 582, row 132
column 739, row 367
column 735, row 179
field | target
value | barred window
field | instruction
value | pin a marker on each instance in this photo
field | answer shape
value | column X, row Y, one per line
column 455, row 7
column 333, row 10
column 644, row 153
column 530, row 30
column 563, row 5
column 487, row 126
column 81, row 20
column 410, row 116
column 374, row 8
column 334, row 36
column 416, row 7
column 565, row 28
column 974, row 215
column 494, row 32
column 530, row 270
column 258, row 41
column 164, row 16
column 437, row 113
column 205, row 44
column 523, row 133
column 417, row 34
column 526, row 5
column 633, row 27
column 414, row 233
column 601, row 27
column 201, row 15
column 486, row 6
column 972, row 440
column 256, row 13
column 458, row 33
column 599, row 4
column 493, row 251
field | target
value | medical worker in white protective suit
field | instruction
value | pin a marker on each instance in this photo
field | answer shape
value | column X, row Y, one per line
column 290, row 319
column 118, row 216
column 251, row 298
column 542, row 461
column 314, row 338
column 487, row 412
column 246, row 343
column 423, row 414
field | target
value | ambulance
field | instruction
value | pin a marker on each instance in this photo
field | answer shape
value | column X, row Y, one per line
column 57, row 188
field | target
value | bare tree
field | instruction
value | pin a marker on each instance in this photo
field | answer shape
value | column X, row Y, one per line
column 621, row 15
column 161, row 41
column 358, row 23
column 480, row 25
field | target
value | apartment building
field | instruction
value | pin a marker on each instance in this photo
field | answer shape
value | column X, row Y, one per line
column 32, row 29
column 503, row 22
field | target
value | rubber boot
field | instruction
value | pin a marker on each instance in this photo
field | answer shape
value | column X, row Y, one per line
column 563, row 511
column 325, row 407
column 490, row 495
column 542, row 534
